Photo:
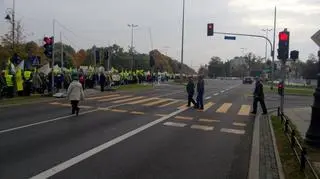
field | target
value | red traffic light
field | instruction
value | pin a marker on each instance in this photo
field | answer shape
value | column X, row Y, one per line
column 210, row 26
column 283, row 36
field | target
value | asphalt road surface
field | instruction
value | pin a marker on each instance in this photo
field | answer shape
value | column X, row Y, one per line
column 138, row 135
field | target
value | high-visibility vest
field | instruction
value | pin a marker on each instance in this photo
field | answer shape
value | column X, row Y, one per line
column 27, row 75
column 19, row 80
column 9, row 80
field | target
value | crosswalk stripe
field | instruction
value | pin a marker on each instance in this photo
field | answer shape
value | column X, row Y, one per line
column 128, row 99
column 208, row 120
column 119, row 110
column 244, row 110
column 239, row 124
column 101, row 97
column 202, row 127
column 174, row 124
column 183, row 118
column 137, row 112
column 85, row 107
column 183, row 106
column 114, row 98
column 142, row 101
column 207, row 106
column 55, row 103
column 156, row 102
column 233, row 131
column 161, row 115
column 224, row 108
column 168, row 104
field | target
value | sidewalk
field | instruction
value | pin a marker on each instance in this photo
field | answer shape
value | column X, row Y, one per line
column 300, row 117
column 265, row 161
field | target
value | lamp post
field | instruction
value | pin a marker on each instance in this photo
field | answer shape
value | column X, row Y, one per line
column 132, row 26
column 313, row 133
column 267, row 33
column 11, row 19
column 182, row 39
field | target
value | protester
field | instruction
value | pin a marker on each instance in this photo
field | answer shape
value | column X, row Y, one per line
column 75, row 94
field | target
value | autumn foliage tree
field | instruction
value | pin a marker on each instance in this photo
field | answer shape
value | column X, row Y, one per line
column 79, row 58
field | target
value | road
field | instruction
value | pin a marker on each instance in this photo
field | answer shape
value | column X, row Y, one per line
column 141, row 134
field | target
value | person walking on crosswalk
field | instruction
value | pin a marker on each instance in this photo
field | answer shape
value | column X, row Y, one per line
column 190, row 91
column 200, row 90
column 258, row 96
column 75, row 93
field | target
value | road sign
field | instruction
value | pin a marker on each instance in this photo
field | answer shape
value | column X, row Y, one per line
column 316, row 38
column 229, row 38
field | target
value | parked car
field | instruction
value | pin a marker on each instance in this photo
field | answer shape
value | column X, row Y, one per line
column 247, row 80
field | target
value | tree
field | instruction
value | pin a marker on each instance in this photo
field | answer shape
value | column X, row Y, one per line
column 79, row 58
column 216, row 67
column 203, row 71
column 19, row 37
column 310, row 69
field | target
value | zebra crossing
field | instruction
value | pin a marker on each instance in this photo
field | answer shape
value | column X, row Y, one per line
column 156, row 102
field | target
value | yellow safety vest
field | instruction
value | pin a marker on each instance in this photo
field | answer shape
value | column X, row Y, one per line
column 27, row 75
column 9, row 80
column 19, row 80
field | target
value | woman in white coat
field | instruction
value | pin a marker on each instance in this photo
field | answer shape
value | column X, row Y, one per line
column 75, row 93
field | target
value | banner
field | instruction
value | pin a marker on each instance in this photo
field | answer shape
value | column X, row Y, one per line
column 45, row 69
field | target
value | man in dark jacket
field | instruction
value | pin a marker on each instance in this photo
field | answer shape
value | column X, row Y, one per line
column 200, row 90
column 190, row 91
column 258, row 96
column 102, row 81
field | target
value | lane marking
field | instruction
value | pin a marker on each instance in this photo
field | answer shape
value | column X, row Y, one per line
column 168, row 104
column 137, row 112
column 224, row 108
column 119, row 110
column 64, row 165
column 156, row 102
column 207, row 106
column 142, row 101
column 44, row 122
column 85, row 107
column 183, row 118
column 161, row 115
column 239, row 124
column 215, row 94
column 101, row 97
column 114, row 98
column 128, row 99
column 232, row 131
column 174, row 124
column 244, row 110
column 222, row 91
column 55, row 103
column 208, row 120
column 209, row 97
column 202, row 127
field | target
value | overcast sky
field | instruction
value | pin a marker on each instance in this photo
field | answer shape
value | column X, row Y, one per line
column 104, row 22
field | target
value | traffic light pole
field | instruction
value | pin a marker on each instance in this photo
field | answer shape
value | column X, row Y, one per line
column 52, row 74
column 283, row 78
column 313, row 133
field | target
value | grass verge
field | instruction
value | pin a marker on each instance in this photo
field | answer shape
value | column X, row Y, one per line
column 289, row 161
column 291, row 91
column 134, row 87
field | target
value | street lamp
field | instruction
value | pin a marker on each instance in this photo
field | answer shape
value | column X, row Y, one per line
column 267, row 32
column 132, row 26
column 313, row 133
column 182, row 39
column 11, row 19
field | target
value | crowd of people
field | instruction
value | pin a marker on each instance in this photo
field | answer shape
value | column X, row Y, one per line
column 18, row 81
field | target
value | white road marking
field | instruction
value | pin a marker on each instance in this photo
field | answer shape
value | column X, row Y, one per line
column 215, row 94
column 202, row 127
column 43, row 122
column 239, row 124
column 222, row 91
column 174, row 124
column 64, row 165
column 234, row 131
column 208, row 120
column 209, row 97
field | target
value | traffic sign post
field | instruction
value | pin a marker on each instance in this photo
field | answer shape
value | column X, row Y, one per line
column 313, row 133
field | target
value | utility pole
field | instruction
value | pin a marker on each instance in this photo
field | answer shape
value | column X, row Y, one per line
column 274, row 46
column 13, row 25
column 182, row 38
column 132, row 53
column 52, row 75
column 62, row 62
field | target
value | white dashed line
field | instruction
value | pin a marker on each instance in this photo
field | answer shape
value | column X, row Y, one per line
column 209, row 97
column 233, row 131
column 222, row 91
column 174, row 124
column 215, row 94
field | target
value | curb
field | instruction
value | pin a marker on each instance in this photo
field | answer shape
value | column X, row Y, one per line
column 276, row 152
column 254, row 166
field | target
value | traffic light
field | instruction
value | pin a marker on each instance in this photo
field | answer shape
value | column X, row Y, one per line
column 48, row 46
column 97, row 56
column 210, row 29
column 283, row 50
column 294, row 55
column 281, row 89
column 106, row 55
column 275, row 66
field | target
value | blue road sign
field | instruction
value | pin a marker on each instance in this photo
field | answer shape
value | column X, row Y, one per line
column 229, row 38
